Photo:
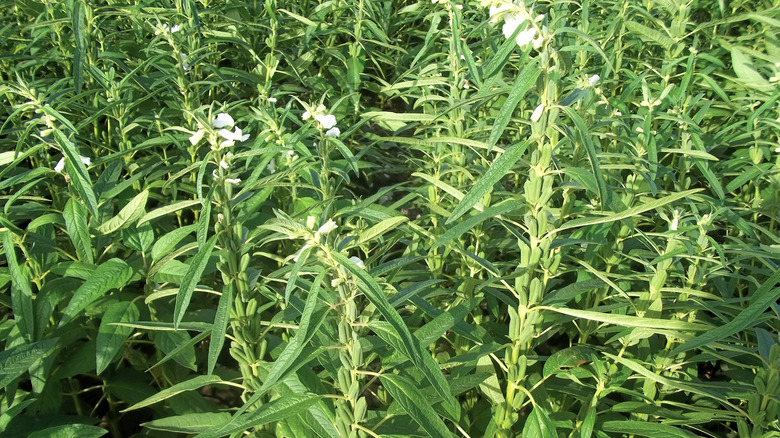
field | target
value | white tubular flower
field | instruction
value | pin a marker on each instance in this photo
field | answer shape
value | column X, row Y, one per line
column 333, row 132
column 358, row 262
column 233, row 181
column 327, row 121
column 511, row 23
column 526, row 37
column 60, row 166
column 233, row 136
column 537, row 114
column 271, row 100
column 223, row 164
column 223, row 120
column 306, row 115
column 184, row 64
column 196, row 137
column 495, row 11
column 173, row 29
column 327, row 227
column 594, row 79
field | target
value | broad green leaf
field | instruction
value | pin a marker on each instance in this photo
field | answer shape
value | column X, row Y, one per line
column 631, row 321
column 761, row 299
column 188, row 423
column 633, row 211
column 539, row 425
column 647, row 428
column 80, row 38
column 111, row 338
column 457, row 230
column 381, row 228
column 127, row 216
column 16, row 360
column 485, row 184
column 187, row 385
column 406, row 393
column 70, row 431
column 292, row 351
column 219, row 329
column 21, row 290
column 376, row 295
column 168, row 209
column 77, row 171
column 651, row 35
column 523, row 82
column 75, row 215
column 112, row 274
column 167, row 242
column 745, row 71
column 567, row 358
column 191, row 278
column 271, row 412
column 179, row 346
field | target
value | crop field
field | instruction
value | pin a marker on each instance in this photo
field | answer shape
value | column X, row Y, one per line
column 390, row 218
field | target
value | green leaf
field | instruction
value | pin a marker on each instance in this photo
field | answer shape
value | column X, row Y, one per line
column 113, row 274
column 405, row 392
column 70, row 431
column 646, row 428
column 75, row 215
column 168, row 209
column 219, row 329
column 129, row 214
column 16, row 360
column 631, row 321
column 21, row 290
column 187, row 385
column 745, row 71
column 485, row 184
column 567, row 358
column 761, row 299
column 381, row 228
column 77, row 171
column 633, row 211
column 374, row 293
column 111, row 338
column 292, row 351
column 523, row 82
column 457, row 230
column 539, row 425
column 167, row 242
column 188, row 423
column 80, row 37
column 191, row 278
column 272, row 412
column 651, row 35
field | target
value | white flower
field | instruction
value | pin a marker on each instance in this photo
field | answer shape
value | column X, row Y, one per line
column 236, row 135
column 173, row 29
column 511, row 23
column 223, row 120
column 327, row 227
column 310, row 221
column 184, row 64
column 327, row 121
column 333, row 132
column 195, row 138
column 537, row 114
column 358, row 262
column 233, row 181
column 272, row 100
column 271, row 167
column 526, row 37
column 61, row 164
column 593, row 79
column 223, row 164
column 306, row 115
column 495, row 11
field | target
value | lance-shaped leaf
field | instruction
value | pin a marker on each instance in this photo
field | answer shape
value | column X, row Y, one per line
column 113, row 274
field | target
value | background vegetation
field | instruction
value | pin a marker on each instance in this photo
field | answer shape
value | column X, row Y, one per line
column 361, row 218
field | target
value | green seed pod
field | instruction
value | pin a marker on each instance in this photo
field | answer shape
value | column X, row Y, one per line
column 354, row 391
column 343, row 331
column 345, row 359
column 342, row 376
column 361, row 407
column 251, row 306
column 344, row 414
column 357, row 355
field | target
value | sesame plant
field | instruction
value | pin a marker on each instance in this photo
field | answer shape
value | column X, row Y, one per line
column 364, row 218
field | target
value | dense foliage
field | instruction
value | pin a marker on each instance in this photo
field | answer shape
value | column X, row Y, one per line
column 362, row 218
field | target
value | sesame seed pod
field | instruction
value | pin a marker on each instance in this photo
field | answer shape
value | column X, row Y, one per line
column 361, row 407
column 354, row 391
